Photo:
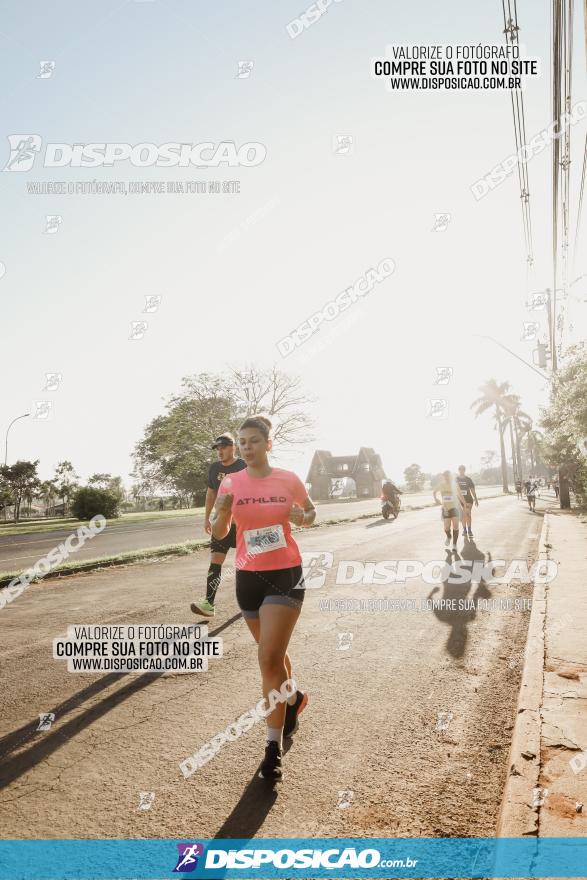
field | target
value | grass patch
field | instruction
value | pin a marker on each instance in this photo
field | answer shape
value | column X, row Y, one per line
column 183, row 549
column 69, row 524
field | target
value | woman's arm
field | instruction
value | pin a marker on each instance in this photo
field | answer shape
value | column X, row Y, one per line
column 303, row 516
column 222, row 515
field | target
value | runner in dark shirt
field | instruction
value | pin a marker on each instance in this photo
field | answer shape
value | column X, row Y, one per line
column 227, row 464
column 467, row 487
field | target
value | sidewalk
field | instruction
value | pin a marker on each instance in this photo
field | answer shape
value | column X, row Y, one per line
column 546, row 787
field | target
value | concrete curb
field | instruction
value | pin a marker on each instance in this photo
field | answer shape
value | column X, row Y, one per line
column 518, row 815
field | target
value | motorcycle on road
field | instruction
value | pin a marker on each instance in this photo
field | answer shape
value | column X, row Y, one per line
column 390, row 508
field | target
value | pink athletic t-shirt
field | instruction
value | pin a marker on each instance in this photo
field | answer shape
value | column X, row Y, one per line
column 260, row 509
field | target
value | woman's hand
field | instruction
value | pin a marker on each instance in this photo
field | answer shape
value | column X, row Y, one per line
column 223, row 504
column 221, row 515
column 297, row 515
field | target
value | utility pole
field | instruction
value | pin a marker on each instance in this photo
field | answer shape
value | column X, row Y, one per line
column 563, row 479
column 550, row 332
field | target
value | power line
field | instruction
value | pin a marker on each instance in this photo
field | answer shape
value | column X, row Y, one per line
column 580, row 206
column 511, row 29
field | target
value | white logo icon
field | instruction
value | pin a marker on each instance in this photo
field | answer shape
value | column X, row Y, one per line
column 53, row 380
column 138, row 329
column 345, row 641
column 537, row 301
column 47, row 68
column 443, row 720
column 315, row 564
column 46, row 719
column 539, row 795
column 441, row 222
column 530, row 331
column 345, row 798
column 152, row 303
column 437, row 408
column 342, row 145
column 245, row 68
column 23, row 148
column 42, row 409
column 146, row 799
column 443, row 375
column 52, row 224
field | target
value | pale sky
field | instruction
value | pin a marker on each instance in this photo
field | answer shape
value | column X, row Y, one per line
column 237, row 272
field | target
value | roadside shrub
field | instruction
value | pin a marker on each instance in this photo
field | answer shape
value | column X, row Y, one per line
column 89, row 501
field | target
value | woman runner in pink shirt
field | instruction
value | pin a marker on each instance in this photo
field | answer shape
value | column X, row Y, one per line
column 264, row 501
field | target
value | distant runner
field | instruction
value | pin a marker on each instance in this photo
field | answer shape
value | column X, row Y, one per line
column 519, row 488
column 467, row 487
column 531, row 494
column 270, row 588
column 453, row 504
column 227, row 464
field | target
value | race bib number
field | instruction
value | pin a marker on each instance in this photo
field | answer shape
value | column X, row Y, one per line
column 263, row 540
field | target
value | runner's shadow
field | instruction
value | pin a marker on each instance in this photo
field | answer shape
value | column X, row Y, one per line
column 251, row 811
column 52, row 740
column 229, row 622
column 12, row 740
column 463, row 597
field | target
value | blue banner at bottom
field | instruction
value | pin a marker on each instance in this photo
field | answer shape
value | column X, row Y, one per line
column 467, row 857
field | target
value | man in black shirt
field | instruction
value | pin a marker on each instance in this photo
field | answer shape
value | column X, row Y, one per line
column 227, row 464
column 467, row 487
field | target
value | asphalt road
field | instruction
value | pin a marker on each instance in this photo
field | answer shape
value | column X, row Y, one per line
column 18, row 552
column 372, row 729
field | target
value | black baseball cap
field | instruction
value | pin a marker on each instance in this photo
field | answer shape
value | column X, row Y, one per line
column 223, row 440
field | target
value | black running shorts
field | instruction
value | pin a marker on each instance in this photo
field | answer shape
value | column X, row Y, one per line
column 283, row 586
column 223, row 545
column 452, row 511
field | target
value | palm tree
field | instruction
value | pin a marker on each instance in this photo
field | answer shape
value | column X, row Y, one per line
column 496, row 396
column 48, row 493
column 519, row 423
column 534, row 442
column 488, row 458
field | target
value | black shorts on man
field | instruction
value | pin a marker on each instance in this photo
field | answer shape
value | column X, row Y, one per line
column 465, row 484
column 223, row 545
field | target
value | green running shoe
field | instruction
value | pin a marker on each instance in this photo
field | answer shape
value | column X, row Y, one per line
column 202, row 606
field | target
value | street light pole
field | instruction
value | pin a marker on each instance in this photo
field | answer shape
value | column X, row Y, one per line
column 23, row 416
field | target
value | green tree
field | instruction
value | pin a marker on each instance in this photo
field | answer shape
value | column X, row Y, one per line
column 114, row 485
column 174, row 453
column 414, row 477
column 48, row 493
column 66, row 480
column 495, row 397
column 88, row 501
column 565, row 422
column 22, row 482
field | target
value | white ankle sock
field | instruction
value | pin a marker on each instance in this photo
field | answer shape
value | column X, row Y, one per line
column 275, row 734
column 292, row 700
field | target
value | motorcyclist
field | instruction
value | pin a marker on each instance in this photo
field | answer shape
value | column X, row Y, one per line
column 390, row 492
